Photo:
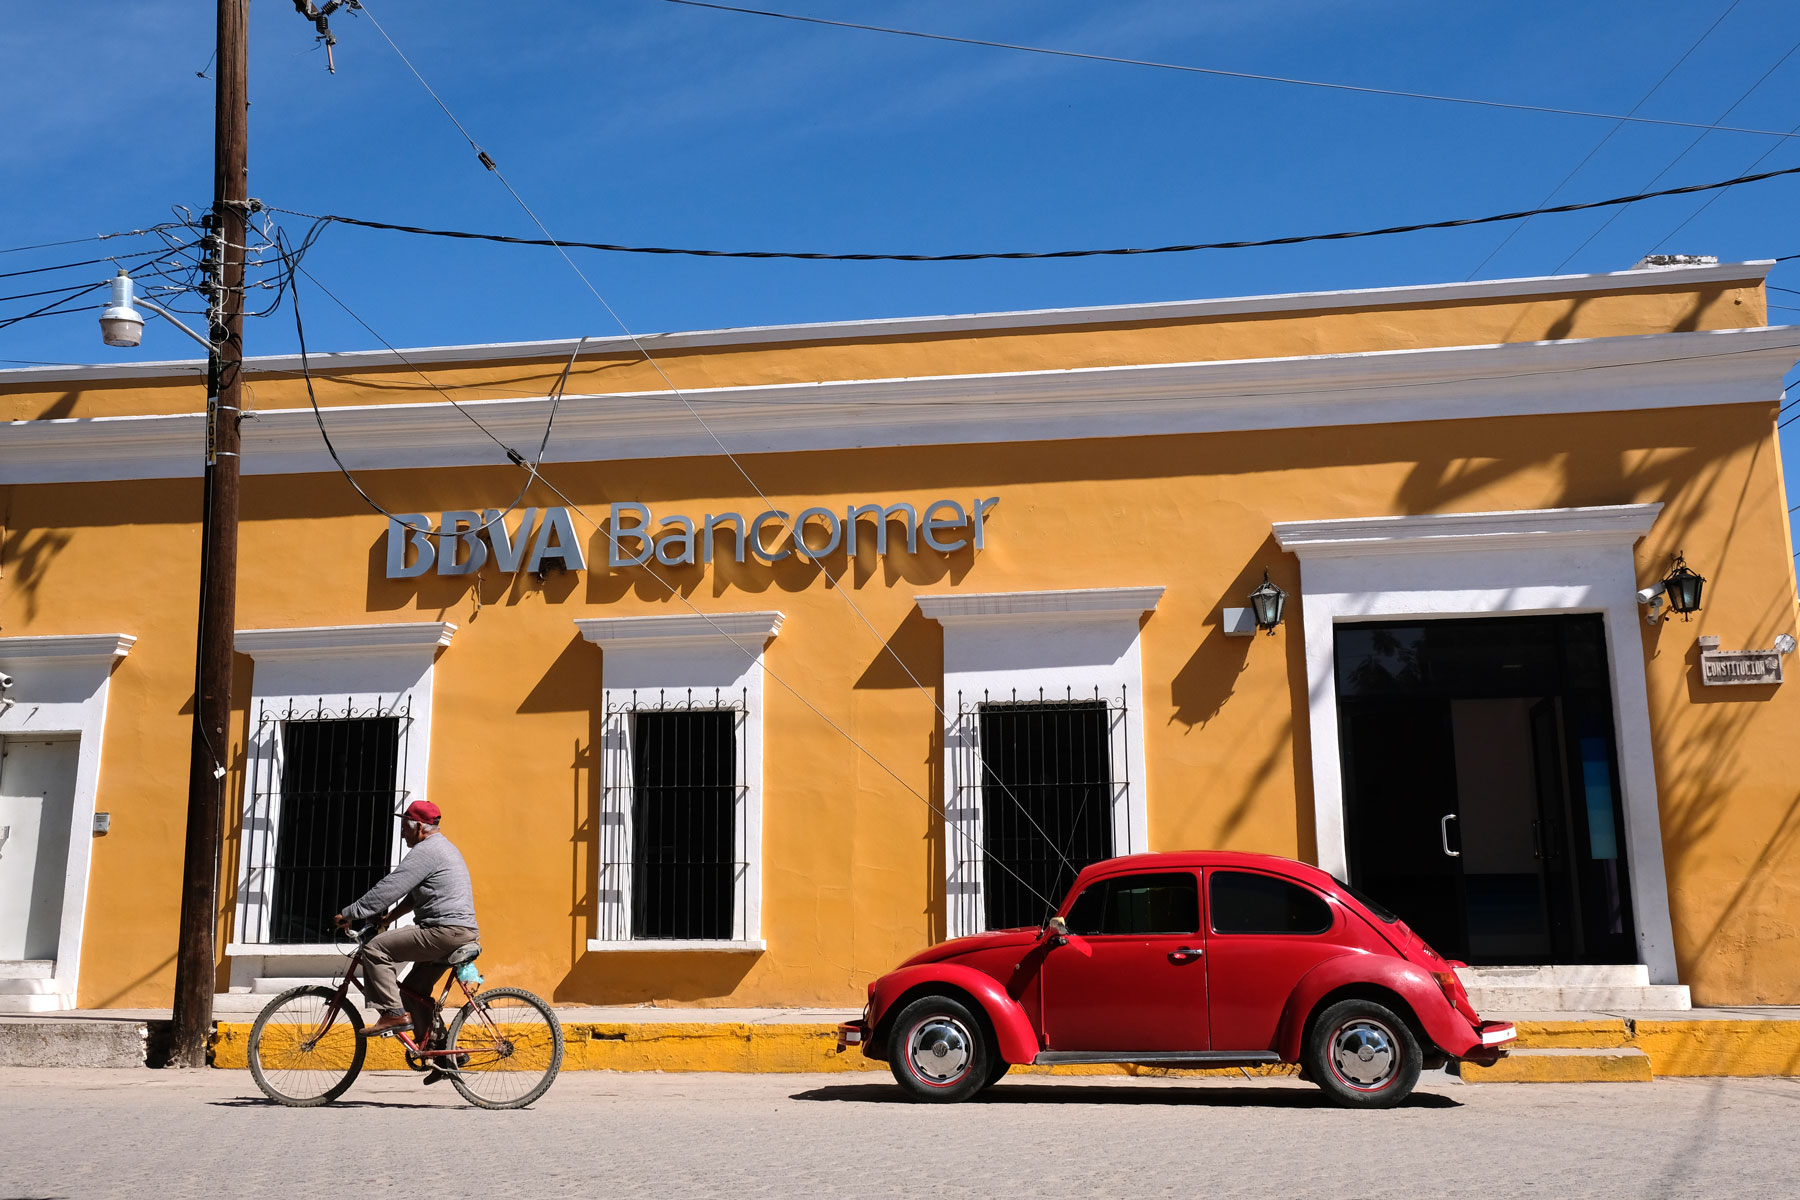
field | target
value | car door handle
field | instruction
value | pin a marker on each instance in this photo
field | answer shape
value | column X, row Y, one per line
column 1185, row 954
column 1444, row 832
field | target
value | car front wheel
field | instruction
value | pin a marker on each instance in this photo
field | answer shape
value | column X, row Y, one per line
column 939, row 1050
column 1362, row 1055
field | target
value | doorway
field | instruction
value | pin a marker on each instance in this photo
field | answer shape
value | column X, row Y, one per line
column 37, row 803
column 1481, row 785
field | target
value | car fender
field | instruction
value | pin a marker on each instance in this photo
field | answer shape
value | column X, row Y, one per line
column 1446, row 1027
column 1012, row 1027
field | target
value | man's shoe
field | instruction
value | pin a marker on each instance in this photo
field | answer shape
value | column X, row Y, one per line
column 433, row 1075
column 387, row 1025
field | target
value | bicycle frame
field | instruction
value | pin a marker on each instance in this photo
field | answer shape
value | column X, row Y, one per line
column 435, row 1007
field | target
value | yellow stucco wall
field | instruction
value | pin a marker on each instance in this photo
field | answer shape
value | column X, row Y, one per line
column 851, row 860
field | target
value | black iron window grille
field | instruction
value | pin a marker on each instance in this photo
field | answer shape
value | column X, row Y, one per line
column 1042, row 788
column 320, row 830
column 674, row 828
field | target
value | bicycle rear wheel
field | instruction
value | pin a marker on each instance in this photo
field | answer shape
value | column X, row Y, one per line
column 296, row 1058
column 509, row 1046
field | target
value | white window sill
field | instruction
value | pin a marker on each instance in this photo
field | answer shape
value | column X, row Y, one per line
column 654, row 946
column 258, row 950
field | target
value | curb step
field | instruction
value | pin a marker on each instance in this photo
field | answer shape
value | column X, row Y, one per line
column 1565, row 1064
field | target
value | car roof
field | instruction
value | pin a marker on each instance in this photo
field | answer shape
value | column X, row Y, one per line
column 1165, row 859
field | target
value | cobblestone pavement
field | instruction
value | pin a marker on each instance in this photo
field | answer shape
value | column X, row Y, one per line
column 164, row 1134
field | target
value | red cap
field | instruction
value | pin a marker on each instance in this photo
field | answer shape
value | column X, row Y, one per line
column 423, row 810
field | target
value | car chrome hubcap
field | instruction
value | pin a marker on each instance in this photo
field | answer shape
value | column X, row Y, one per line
column 940, row 1049
column 1364, row 1054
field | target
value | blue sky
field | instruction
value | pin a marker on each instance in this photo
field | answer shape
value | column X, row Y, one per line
column 642, row 122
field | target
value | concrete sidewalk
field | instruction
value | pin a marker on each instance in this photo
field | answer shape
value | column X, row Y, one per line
column 1564, row 1047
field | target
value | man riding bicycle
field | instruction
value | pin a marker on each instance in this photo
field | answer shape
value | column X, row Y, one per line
column 434, row 882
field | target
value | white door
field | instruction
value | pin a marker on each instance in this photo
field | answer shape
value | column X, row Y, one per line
column 37, row 801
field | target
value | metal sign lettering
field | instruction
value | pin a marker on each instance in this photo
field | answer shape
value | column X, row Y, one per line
column 1724, row 667
column 536, row 539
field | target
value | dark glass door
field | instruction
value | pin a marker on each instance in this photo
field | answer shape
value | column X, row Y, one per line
column 1480, row 785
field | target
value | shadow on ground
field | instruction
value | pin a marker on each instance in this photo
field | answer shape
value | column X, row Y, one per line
column 1028, row 1093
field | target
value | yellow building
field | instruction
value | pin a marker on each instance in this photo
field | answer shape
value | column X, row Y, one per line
column 873, row 631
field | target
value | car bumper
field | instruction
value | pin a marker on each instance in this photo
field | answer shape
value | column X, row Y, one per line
column 852, row 1035
column 1496, row 1037
column 1496, row 1033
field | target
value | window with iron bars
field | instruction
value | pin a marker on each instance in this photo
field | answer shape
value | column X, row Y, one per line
column 675, row 855
column 321, row 827
column 1044, row 778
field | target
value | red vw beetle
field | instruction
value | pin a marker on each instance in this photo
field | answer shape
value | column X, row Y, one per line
column 1183, row 960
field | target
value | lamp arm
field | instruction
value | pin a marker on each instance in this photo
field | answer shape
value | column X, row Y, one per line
column 166, row 315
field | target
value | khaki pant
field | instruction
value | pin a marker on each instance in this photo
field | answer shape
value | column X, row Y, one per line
column 427, row 947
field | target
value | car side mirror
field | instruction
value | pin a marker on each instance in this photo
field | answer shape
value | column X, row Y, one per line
column 1056, row 927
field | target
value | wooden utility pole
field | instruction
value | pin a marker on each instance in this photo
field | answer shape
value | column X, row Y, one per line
column 195, row 955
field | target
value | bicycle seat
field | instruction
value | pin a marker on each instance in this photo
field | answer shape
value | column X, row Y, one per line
column 463, row 954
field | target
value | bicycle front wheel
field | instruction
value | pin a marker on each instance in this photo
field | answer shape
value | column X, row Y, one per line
column 303, row 1054
column 509, row 1046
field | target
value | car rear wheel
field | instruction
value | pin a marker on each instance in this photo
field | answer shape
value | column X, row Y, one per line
column 939, row 1050
column 1362, row 1055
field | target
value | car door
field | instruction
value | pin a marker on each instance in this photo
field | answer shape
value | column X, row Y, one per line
column 1264, row 932
column 1132, row 976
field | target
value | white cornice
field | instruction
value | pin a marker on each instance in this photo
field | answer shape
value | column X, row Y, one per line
column 1549, row 286
column 1076, row 604
column 408, row 637
column 748, row 630
column 64, row 647
column 1514, row 379
column 1610, row 524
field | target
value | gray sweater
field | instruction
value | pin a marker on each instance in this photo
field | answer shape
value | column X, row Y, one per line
column 434, row 875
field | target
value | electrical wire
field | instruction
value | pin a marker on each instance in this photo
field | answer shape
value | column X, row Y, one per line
column 1685, row 151
column 98, row 237
column 530, row 468
column 1294, row 240
column 1599, row 145
column 1195, row 70
column 538, row 476
column 87, row 262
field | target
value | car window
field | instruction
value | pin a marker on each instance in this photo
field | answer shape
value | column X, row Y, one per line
column 1137, row 904
column 1246, row 903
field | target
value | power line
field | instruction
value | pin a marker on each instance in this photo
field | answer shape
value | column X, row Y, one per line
column 1294, row 240
column 1685, row 151
column 1620, row 124
column 1219, row 71
column 98, row 237
column 88, row 262
column 488, row 162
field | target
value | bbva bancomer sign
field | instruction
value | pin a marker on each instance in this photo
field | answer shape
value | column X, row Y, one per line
column 464, row 541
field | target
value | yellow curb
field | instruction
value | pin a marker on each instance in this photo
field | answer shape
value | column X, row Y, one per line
column 1563, row 1066
column 1743, row 1048
column 1571, row 1035
column 1543, row 1053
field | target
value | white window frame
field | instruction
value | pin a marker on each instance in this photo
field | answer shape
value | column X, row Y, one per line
column 59, row 689
column 1006, row 643
column 671, row 655
column 366, row 667
column 1517, row 562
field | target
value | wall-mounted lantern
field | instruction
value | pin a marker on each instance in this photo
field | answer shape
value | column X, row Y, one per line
column 1268, row 602
column 1683, row 587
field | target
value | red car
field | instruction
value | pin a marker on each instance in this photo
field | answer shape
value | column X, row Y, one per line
column 1183, row 960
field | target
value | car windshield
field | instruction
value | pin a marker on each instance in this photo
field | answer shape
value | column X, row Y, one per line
column 1375, row 907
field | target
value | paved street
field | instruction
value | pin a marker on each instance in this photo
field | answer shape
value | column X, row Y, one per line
column 90, row 1133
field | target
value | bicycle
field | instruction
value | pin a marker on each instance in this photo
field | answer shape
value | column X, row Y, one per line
column 502, row 1049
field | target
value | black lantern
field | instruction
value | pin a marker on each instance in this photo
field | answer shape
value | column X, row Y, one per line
column 1683, row 587
column 1267, row 603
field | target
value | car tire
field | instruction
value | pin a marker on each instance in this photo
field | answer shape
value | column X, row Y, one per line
column 1362, row 1055
column 939, row 1051
column 997, row 1071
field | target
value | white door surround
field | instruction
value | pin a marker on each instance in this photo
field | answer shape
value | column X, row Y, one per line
column 59, row 690
column 1526, row 561
column 1082, row 641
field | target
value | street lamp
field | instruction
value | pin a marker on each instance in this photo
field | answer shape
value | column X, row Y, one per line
column 122, row 325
